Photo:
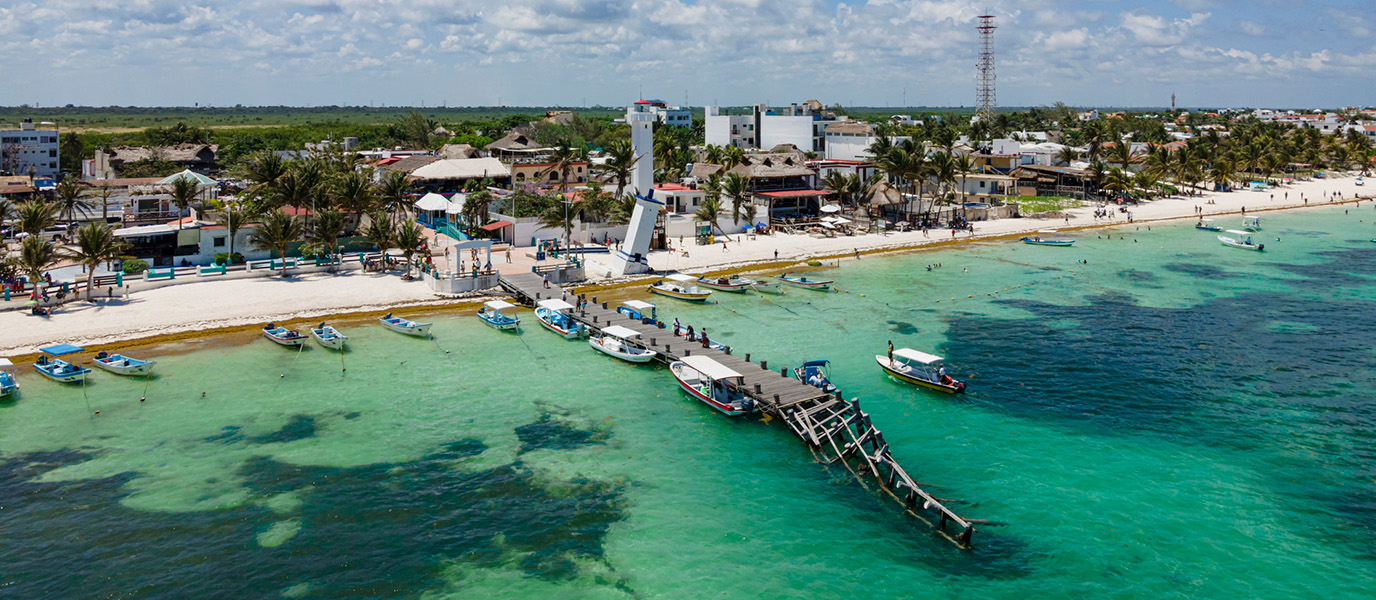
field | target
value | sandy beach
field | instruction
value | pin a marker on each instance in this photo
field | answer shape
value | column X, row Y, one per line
column 236, row 303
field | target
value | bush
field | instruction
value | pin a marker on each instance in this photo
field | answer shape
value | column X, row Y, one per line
column 134, row 266
column 221, row 257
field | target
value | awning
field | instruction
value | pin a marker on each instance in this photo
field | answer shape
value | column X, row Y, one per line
column 456, row 203
column 918, row 357
column 498, row 304
column 681, row 277
column 188, row 174
column 640, row 305
column 495, row 225
column 61, row 349
column 145, row 230
column 432, row 201
column 792, row 194
column 711, row 368
column 618, row 331
column 831, row 208
column 555, row 304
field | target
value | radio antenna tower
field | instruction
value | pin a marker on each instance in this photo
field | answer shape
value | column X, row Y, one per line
column 986, row 101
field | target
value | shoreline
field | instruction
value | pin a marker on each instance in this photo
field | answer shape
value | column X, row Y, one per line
column 390, row 294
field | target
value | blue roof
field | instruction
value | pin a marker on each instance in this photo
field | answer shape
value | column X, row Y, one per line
column 61, row 349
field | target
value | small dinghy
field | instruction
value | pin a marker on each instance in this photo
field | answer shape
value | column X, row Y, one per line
column 120, row 364
column 404, row 326
column 328, row 336
column 820, row 285
column 9, row 386
column 735, row 285
column 615, row 341
column 557, row 316
column 56, row 369
column 683, row 287
column 283, row 336
column 499, row 314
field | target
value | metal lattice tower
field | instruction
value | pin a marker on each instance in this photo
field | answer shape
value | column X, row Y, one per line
column 986, row 101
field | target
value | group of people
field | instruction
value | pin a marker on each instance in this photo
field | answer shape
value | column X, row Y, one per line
column 699, row 336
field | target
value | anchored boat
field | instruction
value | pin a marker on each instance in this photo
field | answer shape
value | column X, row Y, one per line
column 404, row 326
column 283, row 336
column 816, row 373
column 683, row 287
column 120, row 364
column 820, row 285
column 713, row 383
column 735, row 285
column 1038, row 240
column 1251, row 223
column 768, row 287
column 1207, row 225
column 1243, row 240
column 8, row 384
column 328, row 336
column 495, row 313
column 557, row 316
column 56, row 369
column 920, row 368
column 615, row 341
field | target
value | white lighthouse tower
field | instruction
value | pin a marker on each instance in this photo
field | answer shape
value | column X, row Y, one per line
column 641, row 120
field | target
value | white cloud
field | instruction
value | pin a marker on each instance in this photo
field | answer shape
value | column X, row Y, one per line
column 1251, row 27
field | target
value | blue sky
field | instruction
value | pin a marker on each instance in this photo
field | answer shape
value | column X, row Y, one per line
column 571, row 52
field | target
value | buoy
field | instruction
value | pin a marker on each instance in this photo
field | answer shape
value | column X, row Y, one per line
column 861, row 295
column 142, row 399
column 282, row 375
column 97, row 412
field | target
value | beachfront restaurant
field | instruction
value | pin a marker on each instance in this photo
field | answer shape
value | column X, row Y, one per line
column 162, row 245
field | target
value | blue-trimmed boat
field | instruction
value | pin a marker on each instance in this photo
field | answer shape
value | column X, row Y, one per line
column 821, row 285
column 1037, row 240
column 557, row 316
column 494, row 313
column 328, row 336
column 56, row 369
column 404, row 326
column 713, row 384
column 120, row 364
column 8, row 384
column 1207, row 225
column 642, row 311
column 816, row 373
column 283, row 336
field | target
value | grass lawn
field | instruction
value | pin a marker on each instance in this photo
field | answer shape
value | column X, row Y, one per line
column 1036, row 204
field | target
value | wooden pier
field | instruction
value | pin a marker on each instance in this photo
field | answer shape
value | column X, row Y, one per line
column 835, row 429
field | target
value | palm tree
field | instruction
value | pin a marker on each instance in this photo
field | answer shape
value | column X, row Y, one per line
column 475, row 209
column 380, row 232
column 325, row 232
column 71, row 200
column 963, row 165
column 6, row 208
column 620, row 162
column 710, row 211
column 276, row 233
column 738, row 188
column 105, row 193
column 95, row 244
column 36, row 255
column 732, row 156
column 353, row 193
column 409, row 237
column 36, row 215
column 265, row 169
column 184, row 190
column 392, row 192
column 564, row 156
column 562, row 217
column 1066, row 155
column 233, row 220
column 1122, row 153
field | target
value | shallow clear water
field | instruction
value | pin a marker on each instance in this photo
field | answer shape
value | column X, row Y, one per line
column 1172, row 419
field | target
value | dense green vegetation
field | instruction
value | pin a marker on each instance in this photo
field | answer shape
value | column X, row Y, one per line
column 107, row 117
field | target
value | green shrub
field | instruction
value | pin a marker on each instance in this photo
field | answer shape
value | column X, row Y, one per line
column 221, row 257
column 134, row 266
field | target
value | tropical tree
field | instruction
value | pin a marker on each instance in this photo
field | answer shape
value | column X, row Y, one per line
column 353, row 193
column 264, row 169
column 620, row 163
column 393, row 192
column 710, row 211
column 326, row 230
column 409, row 239
column 35, row 256
column 184, row 191
column 564, row 155
column 96, row 244
column 963, row 166
column 475, row 209
column 105, row 193
column 563, row 217
column 738, row 189
column 1066, row 155
column 71, row 200
column 380, row 232
column 276, row 233
column 6, row 208
column 36, row 215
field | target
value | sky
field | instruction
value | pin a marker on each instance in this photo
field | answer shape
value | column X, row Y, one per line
column 1210, row 53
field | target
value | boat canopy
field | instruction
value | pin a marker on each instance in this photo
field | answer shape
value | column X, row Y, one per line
column 816, row 363
column 711, row 368
column 918, row 357
column 618, row 331
column 498, row 304
column 1239, row 232
column 681, row 277
column 60, row 349
column 555, row 304
column 5, row 363
column 638, row 305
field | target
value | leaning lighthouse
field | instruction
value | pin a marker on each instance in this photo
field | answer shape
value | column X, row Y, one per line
column 641, row 120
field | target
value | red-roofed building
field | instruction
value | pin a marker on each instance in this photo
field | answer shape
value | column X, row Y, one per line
column 679, row 198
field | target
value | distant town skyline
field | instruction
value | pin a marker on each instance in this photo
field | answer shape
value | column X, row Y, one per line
column 730, row 52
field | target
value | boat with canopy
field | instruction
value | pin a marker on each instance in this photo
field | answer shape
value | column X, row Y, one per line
column 500, row 314
column 557, row 316
column 616, row 341
column 1243, row 241
column 683, row 287
column 59, row 370
column 921, row 369
column 712, row 383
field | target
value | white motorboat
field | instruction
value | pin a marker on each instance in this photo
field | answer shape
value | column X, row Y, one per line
column 120, row 364
column 683, row 287
column 500, row 314
column 1243, row 240
column 405, row 326
column 328, row 336
column 615, row 341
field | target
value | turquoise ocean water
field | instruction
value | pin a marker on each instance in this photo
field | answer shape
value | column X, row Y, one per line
column 1168, row 419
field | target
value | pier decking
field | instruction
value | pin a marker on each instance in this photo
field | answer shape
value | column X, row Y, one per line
column 835, row 429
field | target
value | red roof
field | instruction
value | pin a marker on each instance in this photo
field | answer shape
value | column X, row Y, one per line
column 389, row 160
column 673, row 187
column 495, row 225
column 642, row 102
column 182, row 221
column 293, row 211
column 793, row 193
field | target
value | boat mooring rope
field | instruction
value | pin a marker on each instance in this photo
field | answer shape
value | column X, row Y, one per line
column 299, row 349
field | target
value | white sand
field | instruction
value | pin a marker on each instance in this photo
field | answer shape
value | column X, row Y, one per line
column 229, row 303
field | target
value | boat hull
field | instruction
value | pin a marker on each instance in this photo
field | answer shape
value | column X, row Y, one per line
column 1232, row 243
column 501, row 324
column 413, row 329
column 688, row 296
column 62, row 371
column 1062, row 243
column 545, row 318
column 692, row 390
column 917, row 381
column 130, row 366
column 820, row 286
column 765, row 287
column 329, row 338
column 8, row 386
column 734, row 288
column 285, row 340
column 1208, row 228
column 597, row 343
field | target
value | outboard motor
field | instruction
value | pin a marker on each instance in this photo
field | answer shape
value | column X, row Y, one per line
column 748, row 404
column 1261, row 246
column 101, row 354
column 387, row 316
column 270, row 326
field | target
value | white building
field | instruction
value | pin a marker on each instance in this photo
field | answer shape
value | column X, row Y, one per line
column 723, row 129
column 27, row 149
column 801, row 125
column 851, row 140
column 673, row 116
